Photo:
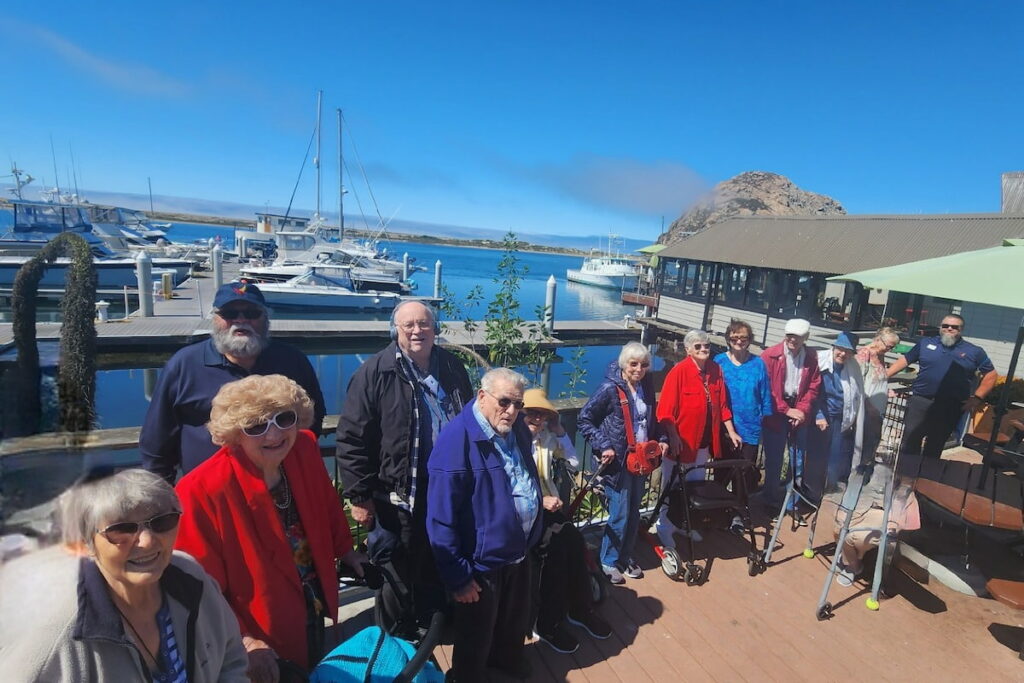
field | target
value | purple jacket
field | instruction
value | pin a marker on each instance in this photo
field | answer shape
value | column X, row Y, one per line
column 471, row 518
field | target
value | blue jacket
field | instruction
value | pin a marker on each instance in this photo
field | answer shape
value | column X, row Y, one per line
column 471, row 518
column 603, row 425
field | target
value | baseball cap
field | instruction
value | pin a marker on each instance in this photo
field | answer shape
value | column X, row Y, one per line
column 238, row 291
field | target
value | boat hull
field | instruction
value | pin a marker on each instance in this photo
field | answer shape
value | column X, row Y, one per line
column 605, row 281
column 289, row 296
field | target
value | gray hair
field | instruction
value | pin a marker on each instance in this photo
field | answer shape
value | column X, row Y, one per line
column 504, row 374
column 694, row 336
column 885, row 333
column 633, row 351
column 403, row 304
column 128, row 495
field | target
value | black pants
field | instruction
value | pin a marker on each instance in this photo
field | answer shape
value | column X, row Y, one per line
column 930, row 420
column 491, row 631
column 564, row 586
column 746, row 451
column 399, row 542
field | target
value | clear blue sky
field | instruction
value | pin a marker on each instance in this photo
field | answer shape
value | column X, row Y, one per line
column 558, row 117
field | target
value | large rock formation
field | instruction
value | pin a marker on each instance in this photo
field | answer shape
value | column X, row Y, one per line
column 752, row 193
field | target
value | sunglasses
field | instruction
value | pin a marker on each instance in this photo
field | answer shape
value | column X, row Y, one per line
column 739, row 339
column 504, row 402
column 700, row 347
column 286, row 419
column 947, row 326
column 641, row 364
column 125, row 532
column 236, row 313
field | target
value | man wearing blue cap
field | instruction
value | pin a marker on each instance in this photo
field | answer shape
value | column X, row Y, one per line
column 174, row 432
column 838, row 435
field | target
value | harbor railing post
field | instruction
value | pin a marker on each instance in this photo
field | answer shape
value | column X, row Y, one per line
column 437, row 279
column 405, row 267
column 549, row 305
column 144, row 274
column 217, row 261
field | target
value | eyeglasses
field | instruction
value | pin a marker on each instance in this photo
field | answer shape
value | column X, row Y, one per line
column 236, row 313
column 947, row 326
column 416, row 324
column 504, row 402
column 124, row 532
column 700, row 347
column 639, row 364
column 286, row 419
column 739, row 339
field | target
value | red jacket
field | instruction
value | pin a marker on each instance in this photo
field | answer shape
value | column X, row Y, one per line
column 684, row 403
column 231, row 527
column 774, row 358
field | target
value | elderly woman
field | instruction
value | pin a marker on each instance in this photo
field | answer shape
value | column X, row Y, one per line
column 564, row 595
column 750, row 398
column 876, row 386
column 839, row 418
column 263, row 518
column 115, row 602
column 602, row 421
column 694, row 410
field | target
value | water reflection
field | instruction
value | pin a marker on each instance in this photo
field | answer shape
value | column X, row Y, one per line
column 596, row 303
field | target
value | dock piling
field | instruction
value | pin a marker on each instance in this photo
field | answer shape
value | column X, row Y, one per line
column 103, row 311
column 144, row 274
column 437, row 279
column 549, row 305
column 217, row 262
column 405, row 267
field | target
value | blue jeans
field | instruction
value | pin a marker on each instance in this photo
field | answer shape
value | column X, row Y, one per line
column 774, row 446
column 623, row 521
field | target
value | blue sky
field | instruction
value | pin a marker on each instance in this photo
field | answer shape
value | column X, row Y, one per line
column 568, row 118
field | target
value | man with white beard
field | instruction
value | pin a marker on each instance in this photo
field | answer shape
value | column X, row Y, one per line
column 174, row 432
column 942, row 390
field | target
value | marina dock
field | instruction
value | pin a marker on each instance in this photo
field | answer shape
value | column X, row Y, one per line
column 185, row 318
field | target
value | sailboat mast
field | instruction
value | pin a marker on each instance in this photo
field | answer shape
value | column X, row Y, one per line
column 316, row 159
column 341, row 183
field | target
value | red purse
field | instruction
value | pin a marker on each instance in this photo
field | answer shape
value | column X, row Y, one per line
column 641, row 458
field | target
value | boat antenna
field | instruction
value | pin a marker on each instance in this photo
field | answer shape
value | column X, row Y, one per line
column 341, row 182
column 288, row 211
column 74, row 170
column 150, row 183
column 56, row 175
column 316, row 159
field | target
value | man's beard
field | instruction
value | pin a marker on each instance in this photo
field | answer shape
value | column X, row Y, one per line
column 503, row 429
column 948, row 340
column 248, row 346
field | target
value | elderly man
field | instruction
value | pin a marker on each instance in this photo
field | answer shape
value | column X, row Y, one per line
column 174, row 432
column 484, row 515
column 397, row 403
column 795, row 381
column 942, row 390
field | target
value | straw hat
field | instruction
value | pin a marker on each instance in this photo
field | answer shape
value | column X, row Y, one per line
column 537, row 399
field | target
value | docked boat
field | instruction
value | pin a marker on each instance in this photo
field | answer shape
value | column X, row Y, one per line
column 317, row 289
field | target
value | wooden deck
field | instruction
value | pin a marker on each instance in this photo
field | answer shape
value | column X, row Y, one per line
column 738, row 628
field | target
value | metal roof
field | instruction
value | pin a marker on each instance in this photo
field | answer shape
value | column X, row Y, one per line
column 843, row 244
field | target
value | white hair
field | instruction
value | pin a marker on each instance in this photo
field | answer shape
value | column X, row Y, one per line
column 694, row 336
column 633, row 351
column 505, row 374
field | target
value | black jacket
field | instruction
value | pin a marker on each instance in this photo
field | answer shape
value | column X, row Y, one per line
column 375, row 426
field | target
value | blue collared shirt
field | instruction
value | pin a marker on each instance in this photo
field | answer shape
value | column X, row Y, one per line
column 524, row 490
column 947, row 371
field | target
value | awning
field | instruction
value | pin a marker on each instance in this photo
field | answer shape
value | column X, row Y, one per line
column 652, row 248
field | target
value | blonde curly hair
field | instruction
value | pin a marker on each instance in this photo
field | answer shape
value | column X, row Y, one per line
column 252, row 400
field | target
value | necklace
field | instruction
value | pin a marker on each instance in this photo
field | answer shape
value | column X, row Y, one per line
column 138, row 638
column 286, row 496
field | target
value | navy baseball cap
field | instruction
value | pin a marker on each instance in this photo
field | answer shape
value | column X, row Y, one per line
column 238, row 291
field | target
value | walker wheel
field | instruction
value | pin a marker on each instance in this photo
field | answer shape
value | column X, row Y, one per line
column 671, row 564
column 809, row 553
column 754, row 566
column 871, row 604
column 825, row 612
column 693, row 574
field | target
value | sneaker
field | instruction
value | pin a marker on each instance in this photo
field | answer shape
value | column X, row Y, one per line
column 801, row 520
column 844, row 577
column 592, row 623
column 633, row 571
column 614, row 575
column 559, row 639
column 737, row 527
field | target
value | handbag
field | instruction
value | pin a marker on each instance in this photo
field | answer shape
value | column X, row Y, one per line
column 641, row 458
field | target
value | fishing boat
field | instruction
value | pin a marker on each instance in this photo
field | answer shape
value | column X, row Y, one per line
column 610, row 270
column 316, row 289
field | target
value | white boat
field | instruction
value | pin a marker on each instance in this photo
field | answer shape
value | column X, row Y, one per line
column 315, row 289
column 610, row 270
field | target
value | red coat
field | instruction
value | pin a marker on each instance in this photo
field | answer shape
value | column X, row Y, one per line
column 684, row 403
column 774, row 358
column 231, row 527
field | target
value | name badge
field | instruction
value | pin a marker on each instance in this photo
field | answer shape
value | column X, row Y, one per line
column 932, row 347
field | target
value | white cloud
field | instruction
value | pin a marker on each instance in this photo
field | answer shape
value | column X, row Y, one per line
column 135, row 78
